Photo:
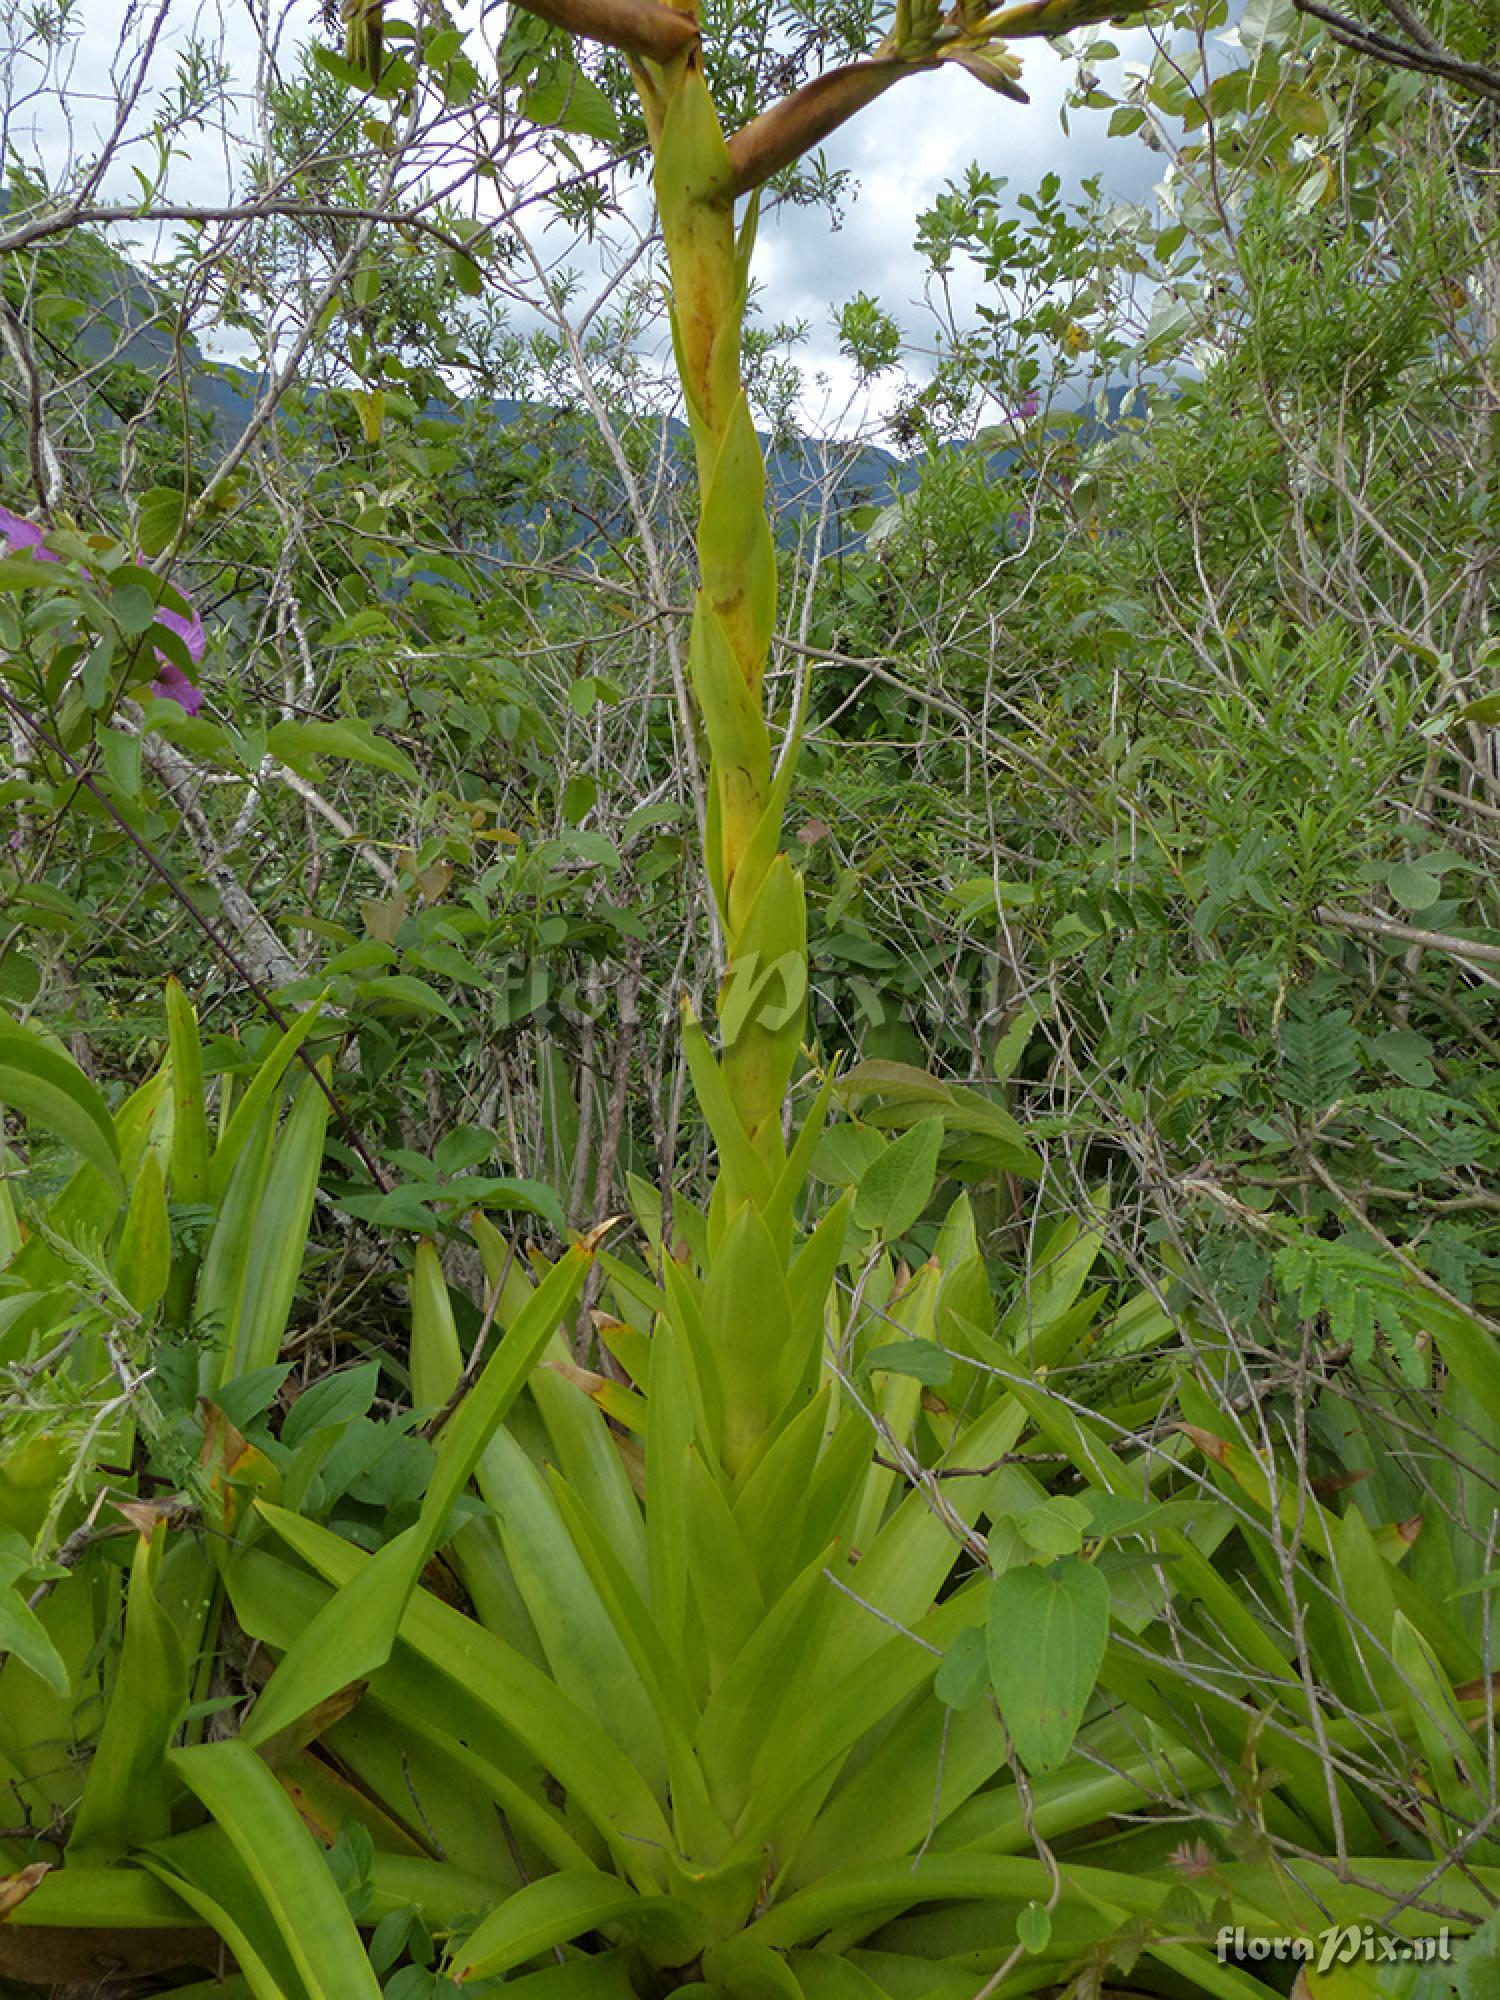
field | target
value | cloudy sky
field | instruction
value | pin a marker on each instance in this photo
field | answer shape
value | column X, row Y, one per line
column 900, row 152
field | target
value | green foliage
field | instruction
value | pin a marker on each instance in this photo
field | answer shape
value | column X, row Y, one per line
column 991, row 1526
column 1048, row 1629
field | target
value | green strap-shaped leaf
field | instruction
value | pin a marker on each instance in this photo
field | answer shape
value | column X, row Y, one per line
column 816, row 1732
column 502, row 1379
column 750, row 1971
column 745, row 1176
column 189, row 1117
column 272, row 1600
column 279, row 1853
column 888, row 1805
column 772, row 1504
column 1455, row 1762
column 257, row 1979
column 604, row 1975
column 587, row 1656
column 738, row 1735
column 860, row 1897
column 699, row 1828
column 660, row 1668
column 143, row 1258
column 89, row 1899
column 669, row 1431
column 279, row 1242
column 10, row 1227
column 1466, row 1347
column 824, row 1976
column 232, row 1988
column 1054, row 1278
column 747, row 1323
column 258, row 1096
column 22, row 1633
column 724, row 1581
column 791, row 1182
column 355, row 1631
column 50, row 1089
column 591, row 1464
column 599, row 1780
column 127, row 1798
column 699, row 1383
column 1002, row 1821
column 226, row 1259
column 560, row 1908
column 436, row 1359
column 898, row 1400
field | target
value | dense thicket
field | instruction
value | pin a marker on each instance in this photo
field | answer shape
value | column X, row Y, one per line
column 1148, row 805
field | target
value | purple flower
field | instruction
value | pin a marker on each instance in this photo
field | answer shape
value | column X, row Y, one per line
column 171, row 684
column 189, row 630
column 21, row 535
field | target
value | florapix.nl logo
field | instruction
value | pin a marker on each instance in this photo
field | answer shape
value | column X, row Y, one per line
column 1337, row 1944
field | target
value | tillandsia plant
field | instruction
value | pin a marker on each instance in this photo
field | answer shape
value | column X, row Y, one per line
column 768, row 1663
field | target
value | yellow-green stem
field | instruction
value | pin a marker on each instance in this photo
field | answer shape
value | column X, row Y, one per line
column 759, row 895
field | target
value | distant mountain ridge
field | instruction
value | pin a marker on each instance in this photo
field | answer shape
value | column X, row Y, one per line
column 798, row 469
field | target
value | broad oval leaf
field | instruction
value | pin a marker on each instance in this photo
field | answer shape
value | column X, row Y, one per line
column 963, row 1674
column 897, row 1186
column 923, row 1360
column 1047, row 1632
column 298, row 743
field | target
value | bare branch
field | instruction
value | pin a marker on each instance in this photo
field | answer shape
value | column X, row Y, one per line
column 1422, row 53
column 789, row 129
column 640, row 27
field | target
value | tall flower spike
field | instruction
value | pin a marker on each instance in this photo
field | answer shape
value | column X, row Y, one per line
column 700, row 173
column 364, row 36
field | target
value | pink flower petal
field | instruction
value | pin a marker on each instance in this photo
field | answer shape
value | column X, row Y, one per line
column 189, row 629
column 21, row 534
column 172, row 684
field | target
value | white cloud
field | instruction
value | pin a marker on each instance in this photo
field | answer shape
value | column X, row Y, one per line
column 901, row 151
